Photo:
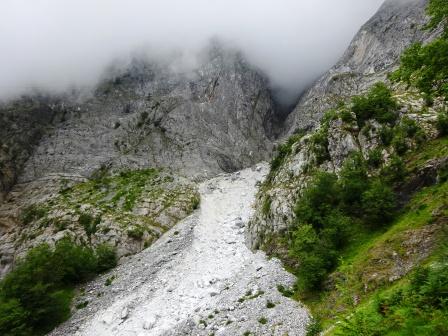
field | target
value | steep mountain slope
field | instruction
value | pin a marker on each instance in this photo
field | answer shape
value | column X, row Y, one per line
column 374, row 52
column 357, row 208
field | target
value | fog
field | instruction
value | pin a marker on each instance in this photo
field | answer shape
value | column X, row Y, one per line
column 55, row 45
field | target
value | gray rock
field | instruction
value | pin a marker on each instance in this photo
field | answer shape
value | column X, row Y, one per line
column 373, row 53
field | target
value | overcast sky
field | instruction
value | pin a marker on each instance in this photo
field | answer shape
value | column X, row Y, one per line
column 55, row 44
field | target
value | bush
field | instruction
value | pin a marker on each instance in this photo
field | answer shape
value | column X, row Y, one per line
column 106, row 258
column 395, row 171
column 89, row 223
column 399, row 143
column 442, row 123
column 425, row 67
column 318, row 200
column 13, row 319
column 38, row 292
column 315, row 261
column 377, row 104
column 319, row 145
column 314, row 328
column 386, row 135
column 375, row 158
column 283, row 151
column 76, row 263
column 438, row 11
column 353, row 181
column 378, row 204
column 33, row 212
column 417, row 308
column 136, row 232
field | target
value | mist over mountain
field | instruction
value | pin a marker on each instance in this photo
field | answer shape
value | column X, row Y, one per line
column 57, row 45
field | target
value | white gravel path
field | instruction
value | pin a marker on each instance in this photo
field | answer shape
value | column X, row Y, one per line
column 198, row 279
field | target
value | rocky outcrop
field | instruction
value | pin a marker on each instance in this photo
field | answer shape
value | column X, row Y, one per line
column 373, row 53
column 127, row 211
column 201, row 123
column 280, row 193
column 23, row 123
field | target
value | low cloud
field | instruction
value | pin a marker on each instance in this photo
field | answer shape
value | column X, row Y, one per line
column 54, row 45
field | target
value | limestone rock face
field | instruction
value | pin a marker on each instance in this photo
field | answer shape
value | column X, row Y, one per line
column 198, row 123
column 212, row 120
column 373, row 53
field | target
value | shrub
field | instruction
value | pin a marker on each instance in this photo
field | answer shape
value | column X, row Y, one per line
column 319, row 145
column 266, row 208
column 76, row 263
column 386, row 135
column 438, row 11
column 33, row 212
column 353, row 181
column 106, row 257
column 283, row 151
column 378, row 204
column 136, row 232
column 89, row 223
column 318, row 200
column 375, row 158
column 377, row 104
column 38, row 292
column 13, row 318
column 395, row 171
column 346, row 116
column 417, row 308
column 399, row 143
column 442, row 123
column 425, row 67
column 314, row 328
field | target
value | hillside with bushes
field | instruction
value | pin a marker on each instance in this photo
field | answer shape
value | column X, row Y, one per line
column 358, row 210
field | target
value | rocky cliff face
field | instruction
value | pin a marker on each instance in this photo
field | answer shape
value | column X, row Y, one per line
column 279, row 194
column 214, row 119
column 218, row 118
column 373, row 53
column 23, row 122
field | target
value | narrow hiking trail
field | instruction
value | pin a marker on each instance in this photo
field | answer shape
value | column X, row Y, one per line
column 198, row 279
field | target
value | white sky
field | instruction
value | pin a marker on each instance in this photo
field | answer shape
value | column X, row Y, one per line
column 55, row 44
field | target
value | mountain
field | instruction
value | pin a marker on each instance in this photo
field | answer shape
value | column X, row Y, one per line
column 372, row 54
column 169, row 162
column 220, row 117
column 355, row 200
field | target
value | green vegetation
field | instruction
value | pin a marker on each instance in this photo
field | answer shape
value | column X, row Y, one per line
column 263, row 320
column 270, row 304
column 283, row 151
column 329, row 209
column 366, row 243
column 33, row 212
column 417, row 306
column 442, row 123
column 136, row 232
column 377, row 104
column 89, row 223
column 37, row 294
column 361, row 277
column 426, row 66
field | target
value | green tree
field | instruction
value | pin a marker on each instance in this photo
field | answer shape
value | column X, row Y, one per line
column 378, row 204
column 353, row 181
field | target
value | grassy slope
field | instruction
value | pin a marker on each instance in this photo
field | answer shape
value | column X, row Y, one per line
column 376, row 261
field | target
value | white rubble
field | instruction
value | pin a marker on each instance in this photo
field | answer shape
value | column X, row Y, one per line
column 198, row 279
